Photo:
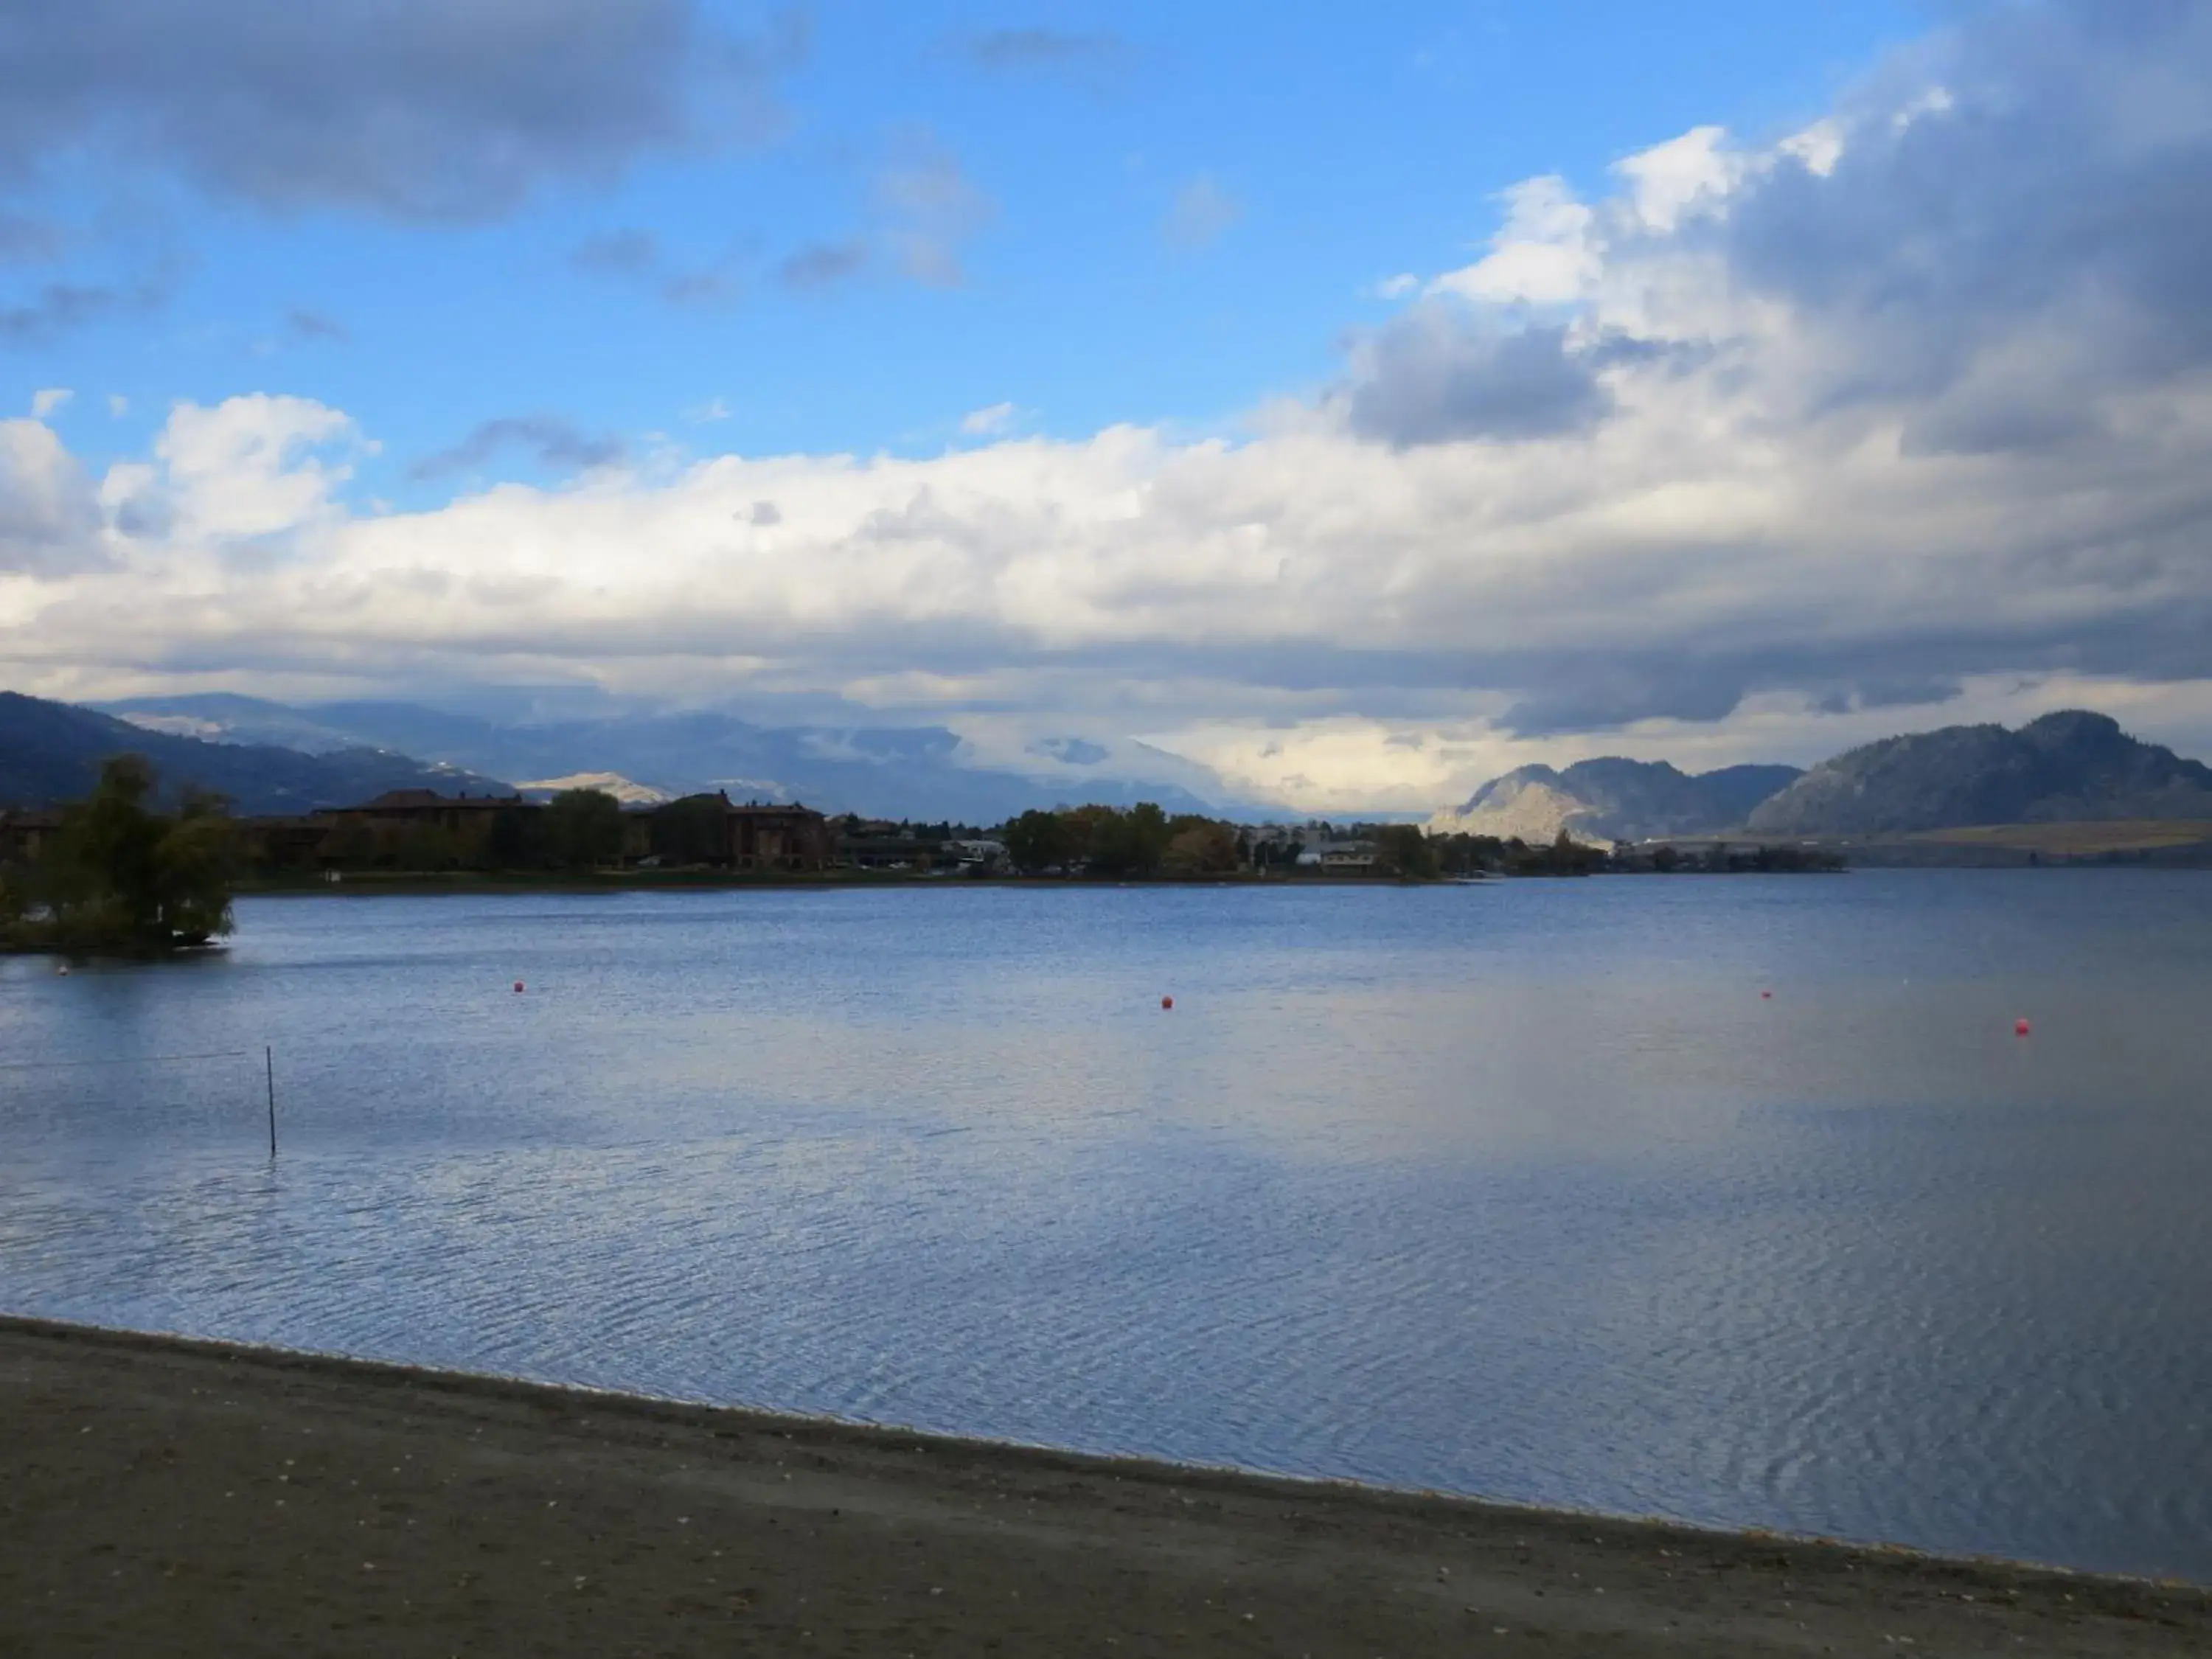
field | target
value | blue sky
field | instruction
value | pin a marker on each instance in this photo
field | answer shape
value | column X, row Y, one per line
column 1338, row 156
column 1351, row 406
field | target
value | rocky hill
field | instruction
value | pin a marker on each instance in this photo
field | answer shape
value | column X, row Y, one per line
column 1614, row 799
column 51, row 753
column 2070, row 767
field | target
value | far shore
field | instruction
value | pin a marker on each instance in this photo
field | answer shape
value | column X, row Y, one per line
column 162, row 1496
column 631, row 880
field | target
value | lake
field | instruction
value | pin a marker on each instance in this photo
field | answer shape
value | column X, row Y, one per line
column 1520, row 1190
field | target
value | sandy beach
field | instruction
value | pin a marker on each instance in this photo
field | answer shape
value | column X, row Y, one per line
column 162, row 1497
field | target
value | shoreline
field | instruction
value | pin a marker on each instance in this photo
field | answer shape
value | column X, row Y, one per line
column 256, row 1500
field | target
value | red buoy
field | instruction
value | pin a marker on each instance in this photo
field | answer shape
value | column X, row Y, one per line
column 2019, row 1028
column 1766, row 996
column 1167, row 1002
column 518, row 985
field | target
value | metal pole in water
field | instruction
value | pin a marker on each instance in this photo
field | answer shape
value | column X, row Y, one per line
column 269, row 1064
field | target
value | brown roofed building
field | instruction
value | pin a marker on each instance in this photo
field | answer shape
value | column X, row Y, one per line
column 769, row 837
column 459, row 814
column 25, row 836
column 411, row 823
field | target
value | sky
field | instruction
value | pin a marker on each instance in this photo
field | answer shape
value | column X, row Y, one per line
column 1358, row 404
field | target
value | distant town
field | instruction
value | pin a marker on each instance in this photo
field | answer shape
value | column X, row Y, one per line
column 581, row 832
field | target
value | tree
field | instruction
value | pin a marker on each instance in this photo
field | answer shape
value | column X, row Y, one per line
column 1404, row 850
column 1130, row 843
column 516, row 840
column 1201, row 848
column 1036, row 841
column 425, row 847
column 122, row 876
column 196, row 863
column 584, row 828
column 694, row 830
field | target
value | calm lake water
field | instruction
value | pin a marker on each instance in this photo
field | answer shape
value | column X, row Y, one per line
column 1520, row 1190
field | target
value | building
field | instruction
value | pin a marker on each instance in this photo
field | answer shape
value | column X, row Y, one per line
column 411, row 824
column 973, row 854
column 1346, row 857
column 464, row 816
column 772, row 837
column 25, row 836
column 287, row 843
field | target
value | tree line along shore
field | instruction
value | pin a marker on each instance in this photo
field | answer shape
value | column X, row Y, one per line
column 129, row 869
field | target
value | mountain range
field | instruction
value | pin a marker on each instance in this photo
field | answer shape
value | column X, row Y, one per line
column 51, row 753
column 2069, row 767
column 899, row 772
column 1610, row 798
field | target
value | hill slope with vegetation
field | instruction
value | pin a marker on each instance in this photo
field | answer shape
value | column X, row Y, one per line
column 2070, row 767
column 51, row 753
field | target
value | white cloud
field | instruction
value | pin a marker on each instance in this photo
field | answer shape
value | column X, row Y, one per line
column 1666, row 181
column 1399, row 287
column 1544, row 255
column 251, row 466
column 50, row 519
column 714, row 408
column 45, row 401
column 118, row 405
column 989, row 421
column 1811, row 442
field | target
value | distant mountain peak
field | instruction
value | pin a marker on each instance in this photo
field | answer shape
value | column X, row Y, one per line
column 1612, row 798
column 53, row 751
column 2073, row 765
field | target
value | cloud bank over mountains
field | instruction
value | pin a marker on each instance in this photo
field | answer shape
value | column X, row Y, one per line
column 1911, row 406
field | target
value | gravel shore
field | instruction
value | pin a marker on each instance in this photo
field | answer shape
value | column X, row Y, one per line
column 164, row 1497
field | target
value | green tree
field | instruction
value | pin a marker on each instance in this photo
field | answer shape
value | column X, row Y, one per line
column 1404, row 851
column 516, row 840
column 584, row 828
column 122, row 876
column 692, row 830
column 196, row 864
column 1130, row 843
column 1201, row 848
column 426, row 847
column 1036, row 841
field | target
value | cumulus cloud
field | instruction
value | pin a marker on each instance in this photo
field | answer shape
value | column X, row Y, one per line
column 50, row 517
column 1435, row 375
column 550, row 442
column 1542, row 256
column 47, row 399
column 1753, row 453
column 415, row 109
